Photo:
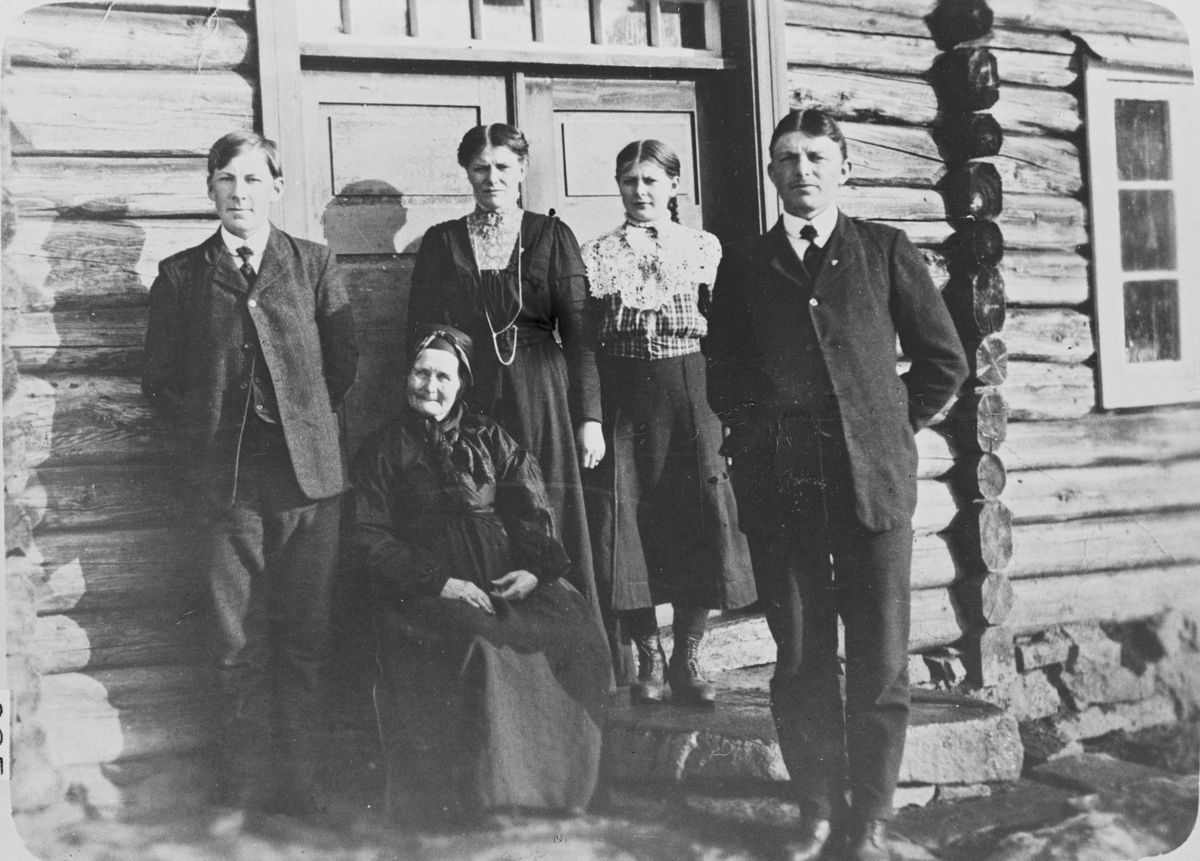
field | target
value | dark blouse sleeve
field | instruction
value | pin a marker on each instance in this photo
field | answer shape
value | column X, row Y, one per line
column 431, row 274
column 400, row 566
column 569, row 293
column 522, row 503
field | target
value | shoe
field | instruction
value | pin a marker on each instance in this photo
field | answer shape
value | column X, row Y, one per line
column 688, row 685
column 809, row 841
column 867, row 841
column 651, row 662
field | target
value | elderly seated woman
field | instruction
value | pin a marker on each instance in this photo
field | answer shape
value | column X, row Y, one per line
column 494, row 670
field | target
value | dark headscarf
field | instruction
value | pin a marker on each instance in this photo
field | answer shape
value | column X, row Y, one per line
column 444, row 434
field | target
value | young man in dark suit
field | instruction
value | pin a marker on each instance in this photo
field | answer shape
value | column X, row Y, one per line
column 802, row 349
column 250, row 352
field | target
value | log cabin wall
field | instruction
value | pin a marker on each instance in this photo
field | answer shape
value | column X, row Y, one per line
column 1105, row 508
column 110, row 111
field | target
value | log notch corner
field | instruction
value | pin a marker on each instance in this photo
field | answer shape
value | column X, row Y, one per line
column 966, row 80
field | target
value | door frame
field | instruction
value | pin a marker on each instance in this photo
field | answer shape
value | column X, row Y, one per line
column 755, row 80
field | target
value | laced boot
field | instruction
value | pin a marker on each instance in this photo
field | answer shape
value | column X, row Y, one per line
column 688, row 685
column 651, row 661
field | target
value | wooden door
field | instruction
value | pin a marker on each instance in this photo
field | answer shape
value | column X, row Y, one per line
column 381, row 150
column 576, row 127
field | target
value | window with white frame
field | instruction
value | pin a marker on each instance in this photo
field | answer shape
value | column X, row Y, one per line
column 1143, row 143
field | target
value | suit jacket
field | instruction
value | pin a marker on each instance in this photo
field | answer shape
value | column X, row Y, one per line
column 871, row 288
column 204, row 319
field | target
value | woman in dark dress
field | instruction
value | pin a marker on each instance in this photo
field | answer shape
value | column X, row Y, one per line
column 493, row 675
column 510, row 279
column 664, row 519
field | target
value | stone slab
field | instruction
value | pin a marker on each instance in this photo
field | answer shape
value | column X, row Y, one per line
column 951, row 738
column 1094, row 772
column 1023, row 805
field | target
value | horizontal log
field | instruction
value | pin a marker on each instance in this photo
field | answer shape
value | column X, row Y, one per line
column 934, row 620
column 907, row 18
column 108, row 188
column 1149, row 539
column 1029, row 221
column 95, row 572
column 966, row 79
column 68, row 264
column 144, row 786
column 986, row 599
column 906, row 55
column 1045, row 391
column 869, row 97
column 1103, row 439
column 980, row 538
column 1040, row 603
column 1036, row 278
column 1048, row 335
column 206, row 6
column 69, row 419
column 98, row 112
column 118, row 715
column 977, row 422
column 968, row 136
column 1116, row 17
column 1169, row 56
column 974, row 245
column 974, row 190
column 106, row 497
column 104, row 327
column 107, row 38
column 109, row 361
column 988, row 361
column 932, row 564
column 952, row 23
column 1073, row 493
column 141, row 637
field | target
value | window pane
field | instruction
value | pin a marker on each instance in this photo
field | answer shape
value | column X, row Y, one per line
column 1143, row 139
column 567, row 21
column 1147, row 229
column 1152, row 321
column 318, row 17
column 507, row 21
column 625, row 22
column 444, row 19
column 683, row 25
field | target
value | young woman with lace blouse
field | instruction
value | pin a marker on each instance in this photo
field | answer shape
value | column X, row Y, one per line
column 661, row 510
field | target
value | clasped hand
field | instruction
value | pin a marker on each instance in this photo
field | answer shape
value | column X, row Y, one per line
column 513, row 586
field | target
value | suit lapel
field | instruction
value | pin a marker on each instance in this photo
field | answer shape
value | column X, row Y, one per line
column 782, row 261
column 276, row 264
column 843, row 254
column 221, row 264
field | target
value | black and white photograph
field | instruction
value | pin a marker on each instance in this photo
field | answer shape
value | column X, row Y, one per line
column 600, row 430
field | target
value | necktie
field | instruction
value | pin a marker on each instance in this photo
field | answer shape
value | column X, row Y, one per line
column 813, row 253
column 245, row 253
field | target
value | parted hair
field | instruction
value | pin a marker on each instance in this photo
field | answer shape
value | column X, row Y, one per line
column 495, row 134
column 813, row 122
column 237, row 142
column 655, row 152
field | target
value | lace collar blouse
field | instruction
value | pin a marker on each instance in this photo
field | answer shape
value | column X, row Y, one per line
column 493, row 234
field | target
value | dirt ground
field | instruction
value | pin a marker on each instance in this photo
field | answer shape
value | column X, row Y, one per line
column 1128, row 796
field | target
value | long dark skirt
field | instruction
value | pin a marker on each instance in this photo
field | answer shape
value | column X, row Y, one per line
column 663, row 518
column 480, row 712
column 529, row 400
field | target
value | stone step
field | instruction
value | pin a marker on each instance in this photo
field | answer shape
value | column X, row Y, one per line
column 952, row 739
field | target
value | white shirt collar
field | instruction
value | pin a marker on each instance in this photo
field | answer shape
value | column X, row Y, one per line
column 823, row 223
column 256, row 241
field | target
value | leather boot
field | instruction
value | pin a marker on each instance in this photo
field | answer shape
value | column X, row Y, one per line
column 866, row 840
column 651, row 661
column 688, row 685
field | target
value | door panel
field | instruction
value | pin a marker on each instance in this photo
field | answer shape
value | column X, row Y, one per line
column 581, row 125
column 382, row 151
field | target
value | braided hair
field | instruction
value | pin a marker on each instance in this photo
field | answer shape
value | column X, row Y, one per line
column 657, row 153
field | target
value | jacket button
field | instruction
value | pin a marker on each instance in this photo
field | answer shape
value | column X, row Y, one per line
column 813, row 302
column 252, row 303
column 258, row 407
column 247, row 346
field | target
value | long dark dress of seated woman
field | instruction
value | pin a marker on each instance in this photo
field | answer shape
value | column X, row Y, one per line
column 493, row 670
